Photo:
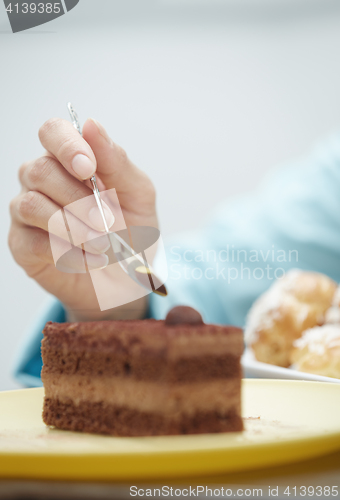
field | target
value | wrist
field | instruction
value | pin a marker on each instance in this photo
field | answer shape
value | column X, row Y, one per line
column 134, row 310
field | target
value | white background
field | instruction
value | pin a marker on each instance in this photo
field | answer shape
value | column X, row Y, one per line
column 204, row 96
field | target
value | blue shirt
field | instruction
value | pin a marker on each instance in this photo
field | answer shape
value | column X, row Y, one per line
column 291, row 221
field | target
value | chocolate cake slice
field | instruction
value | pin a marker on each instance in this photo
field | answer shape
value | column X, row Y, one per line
column 143, row 378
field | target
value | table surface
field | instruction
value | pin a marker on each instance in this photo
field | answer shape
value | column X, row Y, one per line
column 323, row 471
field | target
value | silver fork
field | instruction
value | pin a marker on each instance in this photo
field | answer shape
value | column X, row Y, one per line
column 132, row 263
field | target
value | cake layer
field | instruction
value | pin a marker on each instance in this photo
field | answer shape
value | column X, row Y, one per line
column 149, row 367
column 145, row 396
column 145, row 338
column 143, row 350
column 120, row 421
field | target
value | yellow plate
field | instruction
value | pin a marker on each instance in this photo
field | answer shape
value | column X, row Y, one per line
column 286, row 421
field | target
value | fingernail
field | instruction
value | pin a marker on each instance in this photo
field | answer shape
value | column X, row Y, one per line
column 83, row 166
column 101, row 130
column 96, row 261
column 96, row 243
column 96, row 218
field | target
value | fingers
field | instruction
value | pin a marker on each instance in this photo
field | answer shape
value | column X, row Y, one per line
column 33, row 209
column 117, row 171
column 61, row 139
column 37, row 210
column 95, row 152
column 47, row 176
column 30, row 246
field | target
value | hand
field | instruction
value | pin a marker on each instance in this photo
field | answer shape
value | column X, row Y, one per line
column 59, row 178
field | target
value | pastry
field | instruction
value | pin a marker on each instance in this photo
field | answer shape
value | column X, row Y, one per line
column 318, row 351
column 293, row 304
column 333, row 313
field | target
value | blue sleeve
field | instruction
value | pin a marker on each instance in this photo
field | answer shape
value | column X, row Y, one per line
column 291, row 221
column 28, row 363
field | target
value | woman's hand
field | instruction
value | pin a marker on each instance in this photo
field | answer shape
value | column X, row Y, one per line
column 55, row 180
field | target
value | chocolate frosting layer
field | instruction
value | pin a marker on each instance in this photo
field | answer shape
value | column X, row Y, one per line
column 171, row 399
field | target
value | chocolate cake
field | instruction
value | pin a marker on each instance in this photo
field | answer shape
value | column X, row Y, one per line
column 143, row 378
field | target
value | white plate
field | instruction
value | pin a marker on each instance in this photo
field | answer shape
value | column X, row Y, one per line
column 254, row 369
